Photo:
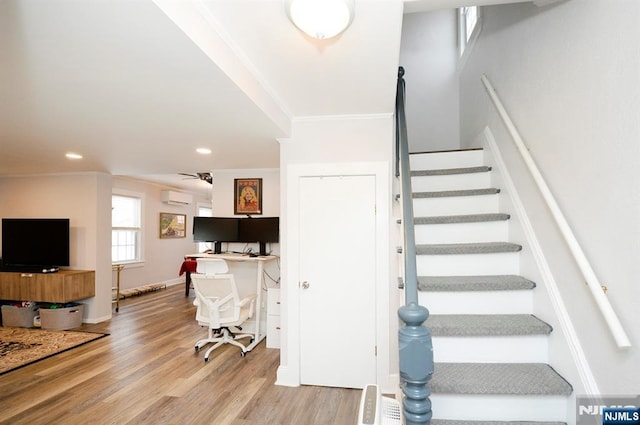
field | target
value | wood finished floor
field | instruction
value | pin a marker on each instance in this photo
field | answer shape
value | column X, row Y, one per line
column 146, row 372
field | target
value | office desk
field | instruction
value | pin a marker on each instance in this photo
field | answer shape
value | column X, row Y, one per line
column 235, row 260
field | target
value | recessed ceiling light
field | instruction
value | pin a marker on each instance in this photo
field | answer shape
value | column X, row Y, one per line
column 203, row 151
column 72, row 155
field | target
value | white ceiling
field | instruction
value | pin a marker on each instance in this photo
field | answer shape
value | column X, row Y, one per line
column 135, row 86
column 120, row 82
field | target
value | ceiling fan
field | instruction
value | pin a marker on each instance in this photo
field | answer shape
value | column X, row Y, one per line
column 207, row 177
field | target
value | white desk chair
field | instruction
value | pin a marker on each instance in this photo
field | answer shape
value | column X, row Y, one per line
column 220, row 308
column 209, row 266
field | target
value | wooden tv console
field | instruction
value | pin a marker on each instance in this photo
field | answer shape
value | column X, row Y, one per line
column 61, row 287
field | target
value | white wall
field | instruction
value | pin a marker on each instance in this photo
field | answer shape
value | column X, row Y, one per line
column 83, row 198
column 428, row 54
column 223, row 187
column 324, row 143
column 223, row 198
column 163, row 257
column 568, row 76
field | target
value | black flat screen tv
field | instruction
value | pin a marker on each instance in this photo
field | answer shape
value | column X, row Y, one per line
column 35, row 244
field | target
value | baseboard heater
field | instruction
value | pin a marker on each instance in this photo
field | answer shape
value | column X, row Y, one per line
column 376, row 409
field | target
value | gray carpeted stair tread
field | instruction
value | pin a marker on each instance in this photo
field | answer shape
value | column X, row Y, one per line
column 466, row 218
column 474, row 283
column 498, row 379
column 463, row 422
column 486, row 325
column 450, row 171
column 467, row 248
column 451, row 193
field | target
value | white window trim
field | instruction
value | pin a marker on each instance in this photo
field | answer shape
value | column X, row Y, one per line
column 204, row 205
column 468, row 45
column 123, row 192
column 203, row 245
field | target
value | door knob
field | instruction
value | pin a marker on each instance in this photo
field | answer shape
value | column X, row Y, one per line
column 304, row 285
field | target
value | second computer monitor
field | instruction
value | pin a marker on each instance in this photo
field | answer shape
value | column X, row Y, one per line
column 262, row 230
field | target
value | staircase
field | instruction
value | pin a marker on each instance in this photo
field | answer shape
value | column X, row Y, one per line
column 490, row 352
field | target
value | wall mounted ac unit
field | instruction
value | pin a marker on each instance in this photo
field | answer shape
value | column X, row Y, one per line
column 176, row 198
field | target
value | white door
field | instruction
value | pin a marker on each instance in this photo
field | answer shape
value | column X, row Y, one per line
column 337, row 238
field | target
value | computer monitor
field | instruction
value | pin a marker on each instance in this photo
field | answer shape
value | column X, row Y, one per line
column 261, row 230
column 215, row 229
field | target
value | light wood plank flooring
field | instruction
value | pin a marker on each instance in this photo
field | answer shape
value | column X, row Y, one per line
column 147, row 372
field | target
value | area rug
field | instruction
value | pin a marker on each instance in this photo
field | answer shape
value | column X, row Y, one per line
column 21, row 346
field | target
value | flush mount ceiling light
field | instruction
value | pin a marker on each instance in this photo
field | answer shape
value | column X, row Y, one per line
column 72, row 155
column 203, row 151
column 320, row 18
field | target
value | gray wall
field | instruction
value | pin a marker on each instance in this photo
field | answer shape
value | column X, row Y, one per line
column 429, row 55
column 568, row 76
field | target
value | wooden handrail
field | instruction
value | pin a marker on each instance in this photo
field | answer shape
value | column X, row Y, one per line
column 594, row 285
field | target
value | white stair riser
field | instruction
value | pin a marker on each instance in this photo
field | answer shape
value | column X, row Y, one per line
column 491, row 349
column 440, row 160
column 489, row 231
column 468, row 265
column 480, row 302
column 451, row 182
column 455, row 205
column 499, row 407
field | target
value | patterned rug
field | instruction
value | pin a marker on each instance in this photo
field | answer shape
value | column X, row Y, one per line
column 21, row 346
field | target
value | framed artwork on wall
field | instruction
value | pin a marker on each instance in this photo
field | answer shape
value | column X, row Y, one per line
column 173, row 225
column 247, row 196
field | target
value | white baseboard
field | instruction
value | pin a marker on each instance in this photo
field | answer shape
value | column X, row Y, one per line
column 173, row 282
column 285, row 378
column 573, row 342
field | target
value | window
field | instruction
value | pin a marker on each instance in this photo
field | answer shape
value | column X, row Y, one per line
column 204, row 211
column 468, row 20
column 126, row 228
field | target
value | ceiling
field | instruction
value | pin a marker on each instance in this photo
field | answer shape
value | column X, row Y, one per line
column 135, row 86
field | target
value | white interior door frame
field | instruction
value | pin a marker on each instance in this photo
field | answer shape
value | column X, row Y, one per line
column 289, row 370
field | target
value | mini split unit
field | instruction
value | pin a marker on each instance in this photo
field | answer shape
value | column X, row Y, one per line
column 176, row 198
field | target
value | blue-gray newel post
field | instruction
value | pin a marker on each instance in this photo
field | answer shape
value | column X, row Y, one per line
column 416, row 349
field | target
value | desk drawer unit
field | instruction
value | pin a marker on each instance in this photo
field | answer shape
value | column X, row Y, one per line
column 273, row 318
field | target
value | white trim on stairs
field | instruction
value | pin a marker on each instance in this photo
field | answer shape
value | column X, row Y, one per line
column 572, row 340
